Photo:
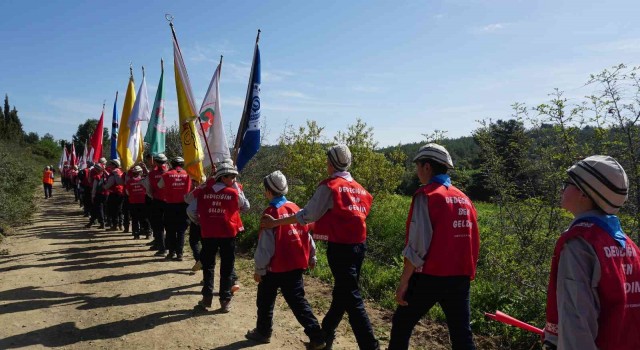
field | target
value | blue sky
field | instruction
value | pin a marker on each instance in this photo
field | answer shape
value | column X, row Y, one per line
column 405, row 67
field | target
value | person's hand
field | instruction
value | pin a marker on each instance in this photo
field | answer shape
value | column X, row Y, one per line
column 257, row 278
column 401, row 291
column 267, row 221
column 312, row 264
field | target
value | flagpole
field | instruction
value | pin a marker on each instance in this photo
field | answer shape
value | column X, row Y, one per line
column 247, row 105
column 169, row 18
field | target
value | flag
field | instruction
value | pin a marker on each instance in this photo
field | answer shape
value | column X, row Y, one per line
column 85, row 154
column 114, row 130
column 211, row 121
column 73, row 159
column 123, row 133
column 66, row 155
column 248, row 137
column 61, row 162
column 191, row 148
column 96, row 140
column 157, row 131
column 140, row 113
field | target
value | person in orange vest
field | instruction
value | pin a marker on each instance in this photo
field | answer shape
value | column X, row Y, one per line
column 442, row 243
column 136, row 196
column 339, row 208
column 175, row 184
column 157, row 208
column 115, row 186
column 218, row 205
column 593, row 298
column 47, row 182
column 282, row 255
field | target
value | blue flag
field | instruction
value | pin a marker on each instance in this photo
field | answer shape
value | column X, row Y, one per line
column 114, row 130
column 249, row 131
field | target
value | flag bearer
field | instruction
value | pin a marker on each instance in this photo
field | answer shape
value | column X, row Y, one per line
column 74, row 182
column 593, row 299
column 175, row 184
column 283, row 253
column 136, row 194
column 339, row 208
column 47, row 181
column 98, row 195
column 115, row 186
column 440, row 255
column 156, row 213
column 218, row 204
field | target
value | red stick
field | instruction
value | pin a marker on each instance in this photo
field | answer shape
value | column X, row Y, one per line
column 506, row 319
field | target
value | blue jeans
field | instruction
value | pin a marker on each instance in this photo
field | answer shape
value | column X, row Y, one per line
column 451, row 292
column 345, row 261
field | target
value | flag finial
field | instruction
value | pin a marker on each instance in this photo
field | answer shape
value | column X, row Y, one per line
column 130, row 69
column 142, row 71
column 258, row 37
column 162, row 64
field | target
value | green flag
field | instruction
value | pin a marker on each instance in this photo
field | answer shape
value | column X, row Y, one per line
column 157, row 131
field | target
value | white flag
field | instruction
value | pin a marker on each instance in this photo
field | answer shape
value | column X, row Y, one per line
column 141, row 112
column 211, row 119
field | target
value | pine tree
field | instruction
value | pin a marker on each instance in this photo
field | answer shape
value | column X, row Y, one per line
column 6, row 109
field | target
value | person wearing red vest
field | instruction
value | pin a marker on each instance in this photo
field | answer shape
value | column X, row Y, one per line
column 47, row 182
column 339, row 208
column 282, row 255
column 74, row 182
column 442, row 243
column 86, row 187
column 98, row 195
column 175, row 184
column 593, row 299
column 218, row 205
column 136, row 197
column 115, row 187
column 156, row 210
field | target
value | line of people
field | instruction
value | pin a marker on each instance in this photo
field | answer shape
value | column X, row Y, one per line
column 594, row 289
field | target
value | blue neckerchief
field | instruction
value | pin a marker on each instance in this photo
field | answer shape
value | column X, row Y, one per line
column 609, row 223
column 443, row 179
column 279, row 201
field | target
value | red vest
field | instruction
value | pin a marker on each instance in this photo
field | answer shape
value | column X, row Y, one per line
column 154, row 177
column 86, row 179
column 219, row 212
column 345, row 222
column 117, row 189
column 176, row 185
column 455, row 243
column 618, row 290
column 292, row 241
column 136, row 190
column 95, row 177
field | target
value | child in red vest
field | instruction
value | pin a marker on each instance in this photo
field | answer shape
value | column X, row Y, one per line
column 218, row 204
column 593, row 299
column 175, row 184
column 136, row 194
column 441, row 252
column 283, row 253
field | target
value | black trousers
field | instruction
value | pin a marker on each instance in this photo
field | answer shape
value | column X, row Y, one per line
column 47, row 190
column 291, row 285
column 156, row 217
column 345, row 261
column 97, row 209
column 140, row 225
column 114, row 209
column 227, row 248
column 175, row 225
column 194, row 240
column 452, row 293
column 86, row 199
column 126, row 212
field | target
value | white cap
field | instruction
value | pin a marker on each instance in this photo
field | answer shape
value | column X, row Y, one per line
column 435, row 152
column 276, row 182
column 603, row 179
column 225, row 168
column 340, row 157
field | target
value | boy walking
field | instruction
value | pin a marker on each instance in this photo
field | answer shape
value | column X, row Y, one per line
column 282, row 255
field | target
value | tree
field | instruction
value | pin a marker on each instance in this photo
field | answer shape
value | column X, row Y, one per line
column 83, row 134
column 31, row 138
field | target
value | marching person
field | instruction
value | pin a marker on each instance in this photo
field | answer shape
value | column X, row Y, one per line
column 593, row 299
column 47, row 182
column 339, row 208
column 218, row 204
column 98, row 195
column 442, row 243
column 86, row 186
column 282, row 255
column 136, row 194
column 115, row 186
column 175, row 184
column 156, row 212
column 74, row 182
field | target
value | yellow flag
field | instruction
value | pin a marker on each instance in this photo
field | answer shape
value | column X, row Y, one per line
column 191, row 147
column 126, row 160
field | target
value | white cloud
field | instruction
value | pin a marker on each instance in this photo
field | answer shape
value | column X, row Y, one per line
column 291, row 94
column 366, row 88
column 494, row 27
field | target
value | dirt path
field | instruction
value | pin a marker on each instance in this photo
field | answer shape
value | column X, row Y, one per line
column 62, row 285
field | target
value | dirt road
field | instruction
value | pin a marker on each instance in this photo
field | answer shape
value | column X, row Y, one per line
column 62, row 285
